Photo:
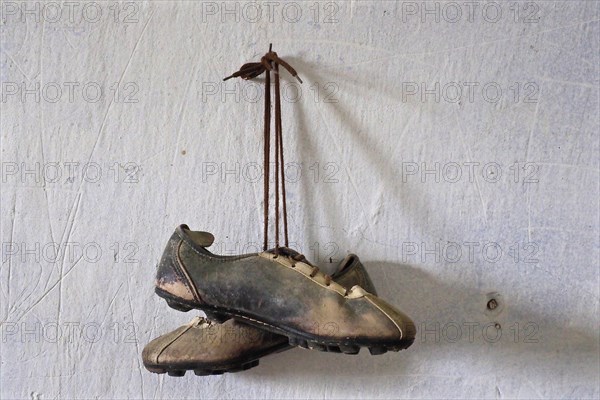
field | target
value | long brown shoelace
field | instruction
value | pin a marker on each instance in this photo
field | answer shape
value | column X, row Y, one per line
column 270, row 63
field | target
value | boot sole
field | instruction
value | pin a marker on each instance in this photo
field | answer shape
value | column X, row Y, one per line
column 175, row 370
column 216, row 369
column 295, row 338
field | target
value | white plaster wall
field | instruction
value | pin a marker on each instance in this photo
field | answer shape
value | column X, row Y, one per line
column 162, row 133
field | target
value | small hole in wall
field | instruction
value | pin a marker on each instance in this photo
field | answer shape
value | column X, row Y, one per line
column 497, row 326
column 492, row 304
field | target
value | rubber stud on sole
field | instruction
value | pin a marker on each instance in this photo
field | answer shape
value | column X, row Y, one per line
column 376, row 350
column 317, row 346
column 349, row 349
column 334, row 349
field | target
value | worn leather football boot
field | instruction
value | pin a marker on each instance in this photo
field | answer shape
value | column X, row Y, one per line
column 212, row 348
column 279, row 291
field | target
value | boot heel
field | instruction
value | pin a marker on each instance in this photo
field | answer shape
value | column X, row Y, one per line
column 216, row 316
column 178, row 306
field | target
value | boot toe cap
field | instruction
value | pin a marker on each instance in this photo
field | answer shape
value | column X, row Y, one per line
column 403, row 327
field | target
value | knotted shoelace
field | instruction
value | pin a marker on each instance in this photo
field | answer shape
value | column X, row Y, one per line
column 270, row 63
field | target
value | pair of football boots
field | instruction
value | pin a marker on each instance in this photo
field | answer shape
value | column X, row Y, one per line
column 261, row 303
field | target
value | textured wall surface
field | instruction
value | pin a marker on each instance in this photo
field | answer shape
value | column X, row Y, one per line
column 453, row 146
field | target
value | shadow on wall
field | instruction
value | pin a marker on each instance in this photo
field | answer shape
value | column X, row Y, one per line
column 311, row 146
column 449, row 328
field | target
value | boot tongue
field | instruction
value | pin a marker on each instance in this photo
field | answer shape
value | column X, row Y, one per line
column 342, row 265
